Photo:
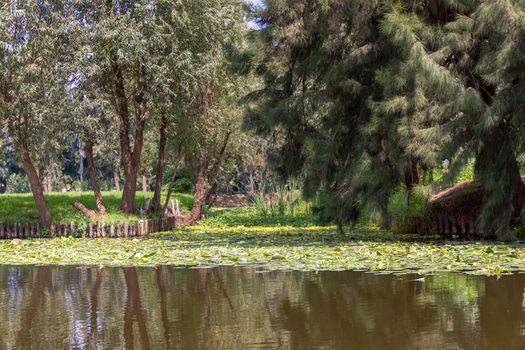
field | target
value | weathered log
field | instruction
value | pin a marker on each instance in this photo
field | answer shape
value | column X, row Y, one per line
column 82, row 208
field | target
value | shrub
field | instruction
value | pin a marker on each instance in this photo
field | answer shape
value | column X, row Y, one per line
column 18, row 183
column 44, row 233
column 417, row 203
column 183, row 185
column 285, row 200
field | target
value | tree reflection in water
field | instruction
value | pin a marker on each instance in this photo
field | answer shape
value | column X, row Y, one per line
column 238, row 308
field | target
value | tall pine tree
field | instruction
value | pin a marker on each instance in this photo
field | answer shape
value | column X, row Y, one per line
column 363, row 96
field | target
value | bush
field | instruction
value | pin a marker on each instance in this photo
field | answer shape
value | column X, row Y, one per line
column 418, row 201
column 18, row 183
column 183, row 185
column 466, row 173
column 286, row 200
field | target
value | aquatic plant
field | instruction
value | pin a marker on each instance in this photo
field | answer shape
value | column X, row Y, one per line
column 231, row 237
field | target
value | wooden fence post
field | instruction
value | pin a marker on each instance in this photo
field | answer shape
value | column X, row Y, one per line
column 472, row 227
column 452, row 224
column 119, row 229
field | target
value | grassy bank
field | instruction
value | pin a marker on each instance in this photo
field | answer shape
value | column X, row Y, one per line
column 239, row 237
column 20, row 208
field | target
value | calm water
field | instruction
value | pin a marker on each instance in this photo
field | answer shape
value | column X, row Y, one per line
column 241, row 308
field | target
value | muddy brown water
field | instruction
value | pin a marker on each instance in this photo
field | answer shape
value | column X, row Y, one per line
column 244, row 308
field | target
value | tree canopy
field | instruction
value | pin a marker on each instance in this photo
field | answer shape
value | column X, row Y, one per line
column 358, row 99
column 367, row 96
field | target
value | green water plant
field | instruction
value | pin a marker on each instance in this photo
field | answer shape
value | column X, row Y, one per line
column 239, row 237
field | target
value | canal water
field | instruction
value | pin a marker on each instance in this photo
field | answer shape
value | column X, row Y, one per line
column 245, row 308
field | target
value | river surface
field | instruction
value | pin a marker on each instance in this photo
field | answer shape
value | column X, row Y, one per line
column 244, row 308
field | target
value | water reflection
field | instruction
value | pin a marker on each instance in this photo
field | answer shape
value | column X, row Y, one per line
column 239, row 308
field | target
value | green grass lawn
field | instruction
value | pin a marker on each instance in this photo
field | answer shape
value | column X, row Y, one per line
column 20, row 208
column 240, row 236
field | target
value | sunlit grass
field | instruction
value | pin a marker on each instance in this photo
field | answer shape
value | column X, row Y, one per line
column 21, row 208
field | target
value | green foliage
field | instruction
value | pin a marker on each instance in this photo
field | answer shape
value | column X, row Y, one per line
column 462, row 173
column 397, row 207
column 365, row 97
column 17, row 183
column 416, row 203
column 81, row 229
column 183, row 185
column 105, row 73
column 44, row 233
column 316, row 86
column 286, row 200
column 360, row 99
column 251, row 216
column 66, row 241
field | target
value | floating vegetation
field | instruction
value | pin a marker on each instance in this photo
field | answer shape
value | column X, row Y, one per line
column 309, row 248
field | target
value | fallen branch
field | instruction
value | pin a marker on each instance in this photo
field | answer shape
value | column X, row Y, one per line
column 82, row 208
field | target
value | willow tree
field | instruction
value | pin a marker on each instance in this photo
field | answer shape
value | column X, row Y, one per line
column 146, row 57
column 89, row 125
column 124, row 48
column 33, row 41
column 205, row 118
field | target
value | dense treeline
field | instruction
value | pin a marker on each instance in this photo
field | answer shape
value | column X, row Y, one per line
column 368, row 96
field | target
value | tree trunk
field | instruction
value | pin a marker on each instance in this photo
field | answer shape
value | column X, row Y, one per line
column 160, row 164
column 170, row 190
column 127, row 203
column 93, row 178
column 200, row 184
column 48, row 185
column 81, row 170
column 116, row 180
column 130, row 158
column 172, row 183
column 251, row 184
column 34, row 181
column 144, row 183
column 503, row 194
column 200, row 189
column 214, row 182
column 438, row 11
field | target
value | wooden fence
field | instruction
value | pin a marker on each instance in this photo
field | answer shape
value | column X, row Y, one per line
column 443, row 225
column 112, row 229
